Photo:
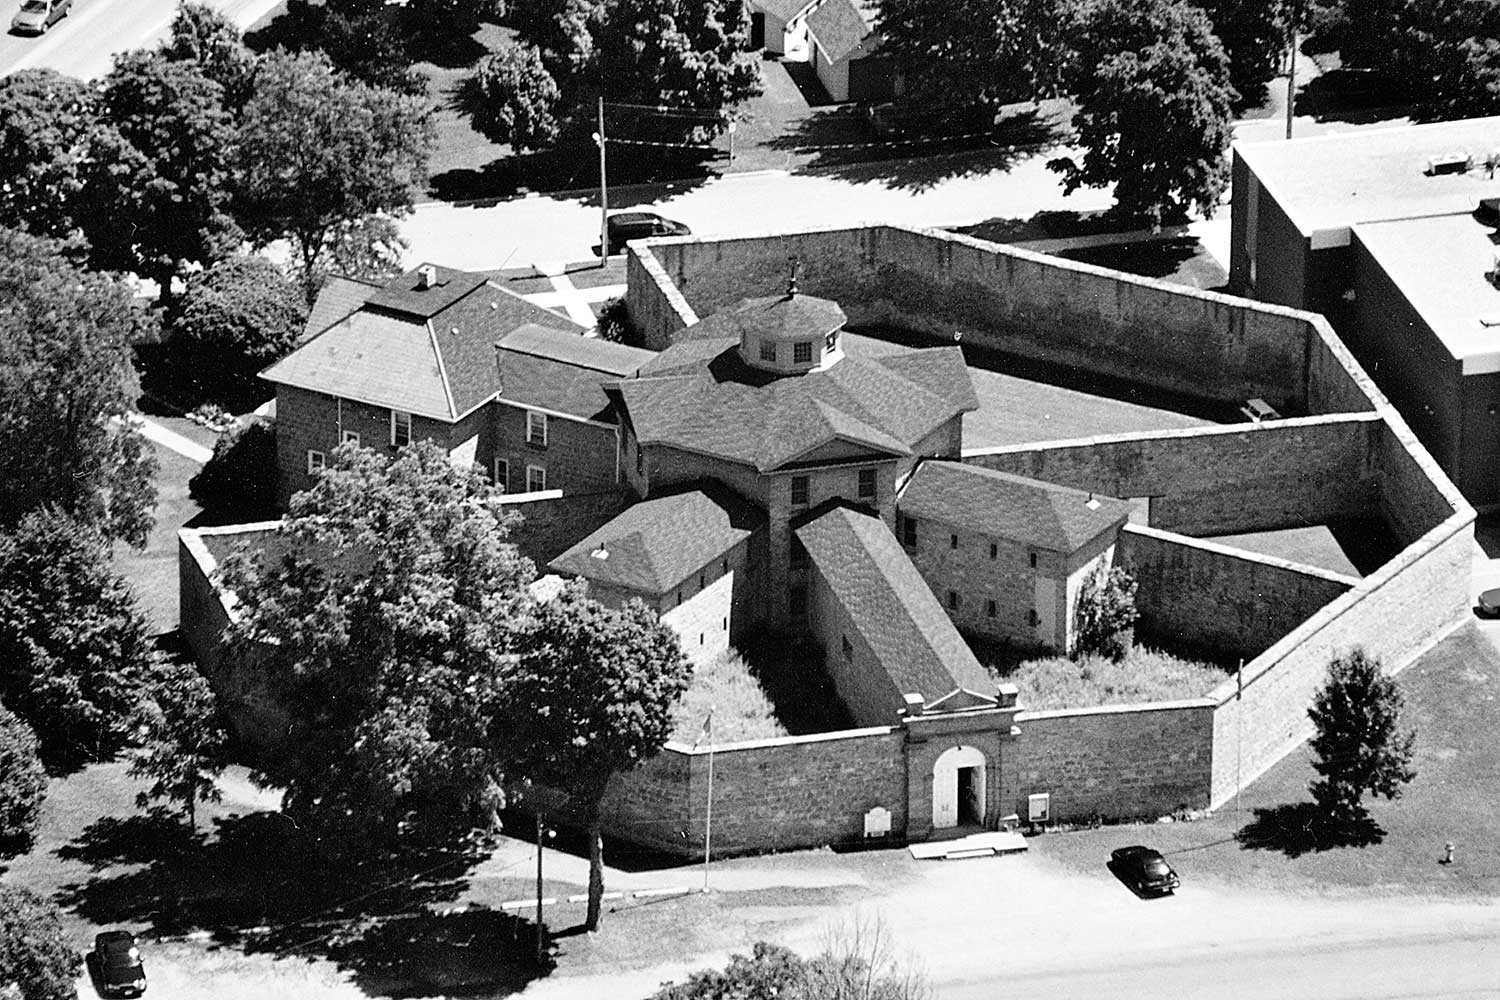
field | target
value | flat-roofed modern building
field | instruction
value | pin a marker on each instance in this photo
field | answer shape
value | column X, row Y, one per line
column 1392, row 234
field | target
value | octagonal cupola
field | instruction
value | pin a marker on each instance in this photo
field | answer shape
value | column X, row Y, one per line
column 791, row 334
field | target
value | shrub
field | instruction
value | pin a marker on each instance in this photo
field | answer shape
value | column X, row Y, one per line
column 235, row 318
column 512, row 98
column 34, row 952
column 615, row 325
column 23, row 785
column 1359, row 745
column 240, row 477
column 1106, row 616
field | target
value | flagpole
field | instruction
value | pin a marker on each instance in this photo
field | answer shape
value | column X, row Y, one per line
column 1239, row 733
column 708, row 818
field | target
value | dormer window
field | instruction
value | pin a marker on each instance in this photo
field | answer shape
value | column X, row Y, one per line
column 802, row 352
column 768, row 351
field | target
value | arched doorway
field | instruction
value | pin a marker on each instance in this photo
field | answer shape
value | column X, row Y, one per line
column 958, row 788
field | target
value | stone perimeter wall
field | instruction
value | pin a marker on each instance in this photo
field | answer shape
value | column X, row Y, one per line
column 1203, row 344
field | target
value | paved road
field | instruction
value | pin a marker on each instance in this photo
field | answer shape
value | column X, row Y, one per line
column 84, row 43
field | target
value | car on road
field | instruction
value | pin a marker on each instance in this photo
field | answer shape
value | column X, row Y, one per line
column 116, row 965
column 1144, row 870
column 1489, row 603
column 36, row 16
column 626, row 226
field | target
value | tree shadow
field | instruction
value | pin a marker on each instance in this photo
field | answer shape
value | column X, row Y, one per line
column 140, row 839
column 1299, row 828
column 1357, row 97
column 1179, row 259
column 573, row 167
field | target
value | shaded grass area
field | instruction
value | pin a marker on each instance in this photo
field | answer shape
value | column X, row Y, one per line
column 792, row 676
column 1146, row 675
column 729, row 688
column 1180, row 260
column 152, row 572
column 1276, row 841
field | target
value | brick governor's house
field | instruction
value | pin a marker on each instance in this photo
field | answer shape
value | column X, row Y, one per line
column 767, row 471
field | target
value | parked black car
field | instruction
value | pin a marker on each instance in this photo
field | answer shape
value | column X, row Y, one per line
column 1144, row 870
column 626, row 226
column 116, row 965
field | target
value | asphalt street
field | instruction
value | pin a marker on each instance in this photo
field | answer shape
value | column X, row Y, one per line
column 84, row 43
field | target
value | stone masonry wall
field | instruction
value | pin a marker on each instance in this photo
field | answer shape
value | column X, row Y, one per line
column 551, row 522
column 1195, row 595
column 1218, row 480
column 1182, row 340
column 1117, row 762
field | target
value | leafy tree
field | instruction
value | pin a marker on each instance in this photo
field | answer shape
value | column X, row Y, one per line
column 240, row 476
column 23, row 784
column 320, row 154
column 34, row 950
column 237, row 317
column 392, row 612
column 615, row 324
column 1469, row 85
column 1152, row 86
column 1359, row 745
column 591, row 697
column 47, row 121
column 1105, row 615
column 75, row 655
column 203, row 35
column 564, row 32
column 185, row 746
column 688, row 53
column 158, row 190
column 66, row 386
column 1254, row 36
column 769, row 972
column 512, row 98
column 975, row 51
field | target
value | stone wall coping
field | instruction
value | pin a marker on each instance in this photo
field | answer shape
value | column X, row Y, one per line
column 1178, row 433
column 688, row 750
column 1182, row 704
column 246, row 528
column 192, row 540
column 1325, row 616
column 1244, row 555
column 652, row 265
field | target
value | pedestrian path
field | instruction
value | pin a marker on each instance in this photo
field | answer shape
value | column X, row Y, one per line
column 167, row 438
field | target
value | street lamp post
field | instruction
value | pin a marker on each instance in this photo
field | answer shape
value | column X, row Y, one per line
column 603, row 190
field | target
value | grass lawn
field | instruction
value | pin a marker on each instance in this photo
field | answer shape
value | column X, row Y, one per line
column 1145, row 675
column 740, row 706
column 1453, row 701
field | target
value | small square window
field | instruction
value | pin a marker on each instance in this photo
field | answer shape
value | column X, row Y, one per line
column 502, row 474
column 909, row 532
column 1032, row 618
column 536, row 428
column 990, row 609
column 799, row 491
column 847, row 646
column 316, row 461
column 724, row 565
column 952, row 541
column 702, row 581
column 400, row 428
column 536, row 478
column 767, row 351
column 349, row 437
column 867, row 484
column 1033, row 560
column 952, row 600
column 802, row 352
column 994, row 550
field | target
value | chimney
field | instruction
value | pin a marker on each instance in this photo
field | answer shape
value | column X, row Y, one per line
column 426, row 277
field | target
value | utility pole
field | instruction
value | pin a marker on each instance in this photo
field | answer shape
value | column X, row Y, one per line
column 540, row 946
column 1239, row 734
column 603, row 190
column 1291, row 66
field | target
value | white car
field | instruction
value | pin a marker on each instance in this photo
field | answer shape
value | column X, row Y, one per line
column 36, row 16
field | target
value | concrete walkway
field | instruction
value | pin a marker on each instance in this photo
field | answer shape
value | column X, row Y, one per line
column 170, row 439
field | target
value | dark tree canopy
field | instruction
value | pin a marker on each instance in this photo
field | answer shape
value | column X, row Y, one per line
column 34, row 950
column 23, row 784
column 320, row 154
column 984, row 52
column 1152, row 87
column 234, row 319
column 66, row 386
column 158, row 192
column 239, row 479
column 1254, row 36
column 512, row 98
column 393, row 610
column 592, row 697
column 1106, row 615
column 75, row 656
column 203, row 35
column 47, row 123
column 1359, row 745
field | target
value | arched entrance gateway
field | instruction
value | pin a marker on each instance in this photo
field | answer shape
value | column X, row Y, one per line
column 958, row 788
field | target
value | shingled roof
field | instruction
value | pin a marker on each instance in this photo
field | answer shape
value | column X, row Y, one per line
column 1042, row 515
column 892, row 608
column 840, row 25
column 653, row 546
column 560, row 371
column 433, row 356
column 772, row 317
column 700, row 395
column 339, row 297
